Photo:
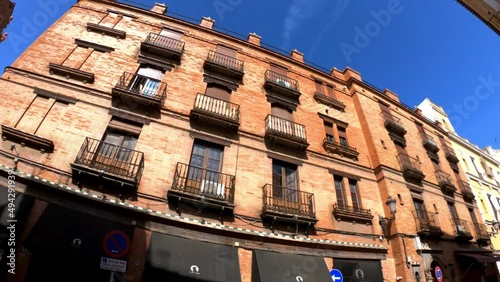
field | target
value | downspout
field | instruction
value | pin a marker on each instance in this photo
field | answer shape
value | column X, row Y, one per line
column 406, row 254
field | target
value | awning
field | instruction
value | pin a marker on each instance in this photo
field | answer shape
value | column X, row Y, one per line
column 359, row 270
column 60, row 230
column 272, row 267
column 480, row 258
column 184, row 260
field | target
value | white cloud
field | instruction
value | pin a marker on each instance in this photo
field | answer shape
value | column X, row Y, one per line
column 298, row 12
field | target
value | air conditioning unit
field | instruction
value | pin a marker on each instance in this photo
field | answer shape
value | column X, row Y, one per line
column 212, row 188
column 282, row 82
column 461, row 229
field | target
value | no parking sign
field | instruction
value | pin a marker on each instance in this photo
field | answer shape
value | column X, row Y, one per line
column 116, row 244
column 438, row 273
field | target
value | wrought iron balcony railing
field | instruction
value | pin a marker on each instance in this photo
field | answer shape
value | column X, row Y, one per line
column 339, row 148
column 111, row 159
column 445, row 181
column 225, row 60
column 278, row 199
column 204, row 183
column 450, row 154
column 350, row 213
column 462, row 228
column 165, row 42
column 286, row 128
column 466, row 190
column 428, row 224
column 481, row 231
column 142, row 86
column 393, row 124
column 281, row 80
column 217, row 108
column 429, row 143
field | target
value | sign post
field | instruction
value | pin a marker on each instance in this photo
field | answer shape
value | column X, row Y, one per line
column 336, row 275
column 116, row 244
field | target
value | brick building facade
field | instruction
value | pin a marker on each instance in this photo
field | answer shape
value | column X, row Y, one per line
column 197, row 156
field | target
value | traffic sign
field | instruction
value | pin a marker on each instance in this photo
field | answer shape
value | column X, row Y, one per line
column 336, row 275
column 116, row 244
column 118, row 265
column 438, row 273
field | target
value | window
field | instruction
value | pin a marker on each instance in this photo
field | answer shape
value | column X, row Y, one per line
column 118, row 144
column 147, row 80
column 324, row 89
column 218, row 91
column 205, row 166
column 281, row 112
column 356, row 203
column 420, row 209
column 329, row 131
column 171, row 33
column 285, row 181
column 226, row 51
column 421, row 131
column 279, row 70
column 473, row 216
column 342, row 136
column 475, row 166
column 339, row 191
column 454, row 217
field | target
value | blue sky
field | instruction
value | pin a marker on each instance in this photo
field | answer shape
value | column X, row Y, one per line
column 418, row 49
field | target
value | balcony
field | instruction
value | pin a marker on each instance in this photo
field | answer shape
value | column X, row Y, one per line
column 288, row 205
column 393, row 124
column 467, row 193
column 450, row 155
column 428, row 225
column 140, row 89
column 462, row 230
column 108, row 165
column 445, row 182
column 202, row 187
column 335, row 147
column 281, row 84
column 164, row 47
column 429, row 144
column 410, row 168
column 280, row 131
column 348, row 213
column 329, row 101
column 482, row 236
column 227, row 66
column 216, row 111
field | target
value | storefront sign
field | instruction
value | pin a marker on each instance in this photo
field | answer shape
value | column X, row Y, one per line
column 117, row 265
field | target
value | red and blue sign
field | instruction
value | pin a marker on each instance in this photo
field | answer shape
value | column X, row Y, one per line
column 438, row 273
column 116, row 244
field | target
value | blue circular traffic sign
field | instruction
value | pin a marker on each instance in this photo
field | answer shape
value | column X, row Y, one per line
column 438, row 273
column 336, row 275
column 116, row 244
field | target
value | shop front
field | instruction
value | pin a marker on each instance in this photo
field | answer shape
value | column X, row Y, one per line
column 67, row 245
column 357, row 270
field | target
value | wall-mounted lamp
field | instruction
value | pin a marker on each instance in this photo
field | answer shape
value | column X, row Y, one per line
column 16, row 159
column 384, row 221
column 494, row 228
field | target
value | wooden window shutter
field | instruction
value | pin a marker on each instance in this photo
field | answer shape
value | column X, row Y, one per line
column 171, row 34
column 330, row 91
column 122, row 125
column 328, row 128
column 281, row 112
column 421, row 130
column 319, row 87
column 226, row 51
column 279, row 70
column 218, row 92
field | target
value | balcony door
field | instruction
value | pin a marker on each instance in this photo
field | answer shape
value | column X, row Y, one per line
column 284, row 122
column 285, row 184
column 421, row 214
column 459, row 228
column 116, row 151
column 204, row 169
column 147, row 81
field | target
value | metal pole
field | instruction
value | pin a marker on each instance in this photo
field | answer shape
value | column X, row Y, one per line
column 112, row 276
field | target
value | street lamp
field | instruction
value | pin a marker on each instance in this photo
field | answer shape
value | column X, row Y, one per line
column 384, row 221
